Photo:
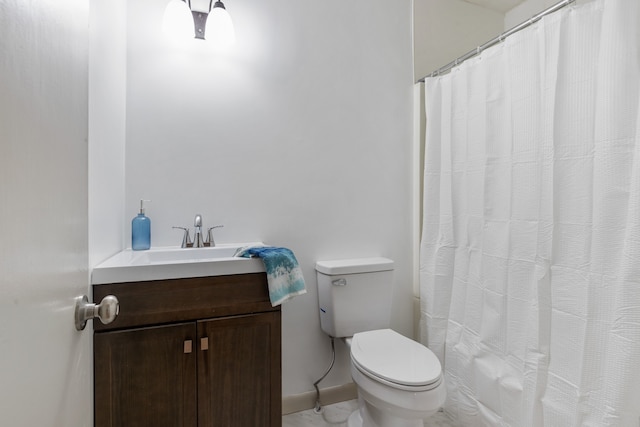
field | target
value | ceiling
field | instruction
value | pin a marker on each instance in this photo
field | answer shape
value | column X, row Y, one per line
column 501, row 6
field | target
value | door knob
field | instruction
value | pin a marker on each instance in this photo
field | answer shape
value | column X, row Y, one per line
column 106, row 311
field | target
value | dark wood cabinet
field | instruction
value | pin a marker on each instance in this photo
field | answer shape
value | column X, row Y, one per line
column 144, row 378
column 198, row 352
column 236, row 374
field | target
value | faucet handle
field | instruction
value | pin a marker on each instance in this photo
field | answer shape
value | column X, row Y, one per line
column 209, row 239
column 186, row 238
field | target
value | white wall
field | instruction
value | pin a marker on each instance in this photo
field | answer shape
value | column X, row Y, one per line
column 301, row 138
column 107, row 118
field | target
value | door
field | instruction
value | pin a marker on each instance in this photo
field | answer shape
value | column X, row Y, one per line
column 146, row 377
column 45, row 364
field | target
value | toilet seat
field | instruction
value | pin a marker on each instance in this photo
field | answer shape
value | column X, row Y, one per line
column 395, row 360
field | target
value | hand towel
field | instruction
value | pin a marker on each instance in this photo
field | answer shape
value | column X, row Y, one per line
column 284, row 276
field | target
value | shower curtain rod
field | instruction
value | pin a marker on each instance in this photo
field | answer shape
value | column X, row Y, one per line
column 497, row 40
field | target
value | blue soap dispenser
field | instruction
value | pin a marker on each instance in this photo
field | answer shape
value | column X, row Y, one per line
column 141, row 230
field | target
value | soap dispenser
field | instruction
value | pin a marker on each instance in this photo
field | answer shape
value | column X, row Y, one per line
column 141, row 230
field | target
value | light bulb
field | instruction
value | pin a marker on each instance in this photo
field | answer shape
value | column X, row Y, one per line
column 220, row 32
column 177, row 23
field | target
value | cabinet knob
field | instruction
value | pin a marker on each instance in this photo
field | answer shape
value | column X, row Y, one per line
column 106, row 311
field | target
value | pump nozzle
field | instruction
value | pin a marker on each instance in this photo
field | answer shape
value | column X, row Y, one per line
column 142, row 205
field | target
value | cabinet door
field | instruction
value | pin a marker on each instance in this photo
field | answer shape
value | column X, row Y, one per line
column 146, row 377
column 239, row 375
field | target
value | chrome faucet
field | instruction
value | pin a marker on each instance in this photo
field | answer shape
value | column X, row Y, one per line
column 186, row 238
column 210, row 241
column 198, row 242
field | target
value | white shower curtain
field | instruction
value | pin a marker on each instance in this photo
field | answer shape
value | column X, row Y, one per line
column 530, row 254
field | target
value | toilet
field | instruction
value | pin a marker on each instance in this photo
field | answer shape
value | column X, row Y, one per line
column 399, row 381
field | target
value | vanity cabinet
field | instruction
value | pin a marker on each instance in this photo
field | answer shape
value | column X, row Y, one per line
column 194, row 352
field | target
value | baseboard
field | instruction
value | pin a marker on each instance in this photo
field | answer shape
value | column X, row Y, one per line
column 328, row 396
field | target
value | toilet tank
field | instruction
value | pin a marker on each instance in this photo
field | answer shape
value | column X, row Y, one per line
column 354, row 295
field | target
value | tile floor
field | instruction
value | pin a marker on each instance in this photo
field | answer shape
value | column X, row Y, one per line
column 336, row 415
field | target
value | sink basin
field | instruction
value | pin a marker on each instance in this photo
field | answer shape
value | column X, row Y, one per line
column 172, row 255
column 174, row 263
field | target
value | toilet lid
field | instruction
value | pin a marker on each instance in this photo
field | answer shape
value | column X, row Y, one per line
column 386, row 354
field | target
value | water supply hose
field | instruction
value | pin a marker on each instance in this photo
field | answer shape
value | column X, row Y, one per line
column 318, row 407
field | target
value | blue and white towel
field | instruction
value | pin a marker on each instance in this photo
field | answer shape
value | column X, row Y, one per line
column 284, row 275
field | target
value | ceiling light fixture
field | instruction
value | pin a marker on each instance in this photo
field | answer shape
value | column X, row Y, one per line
column 181, row 17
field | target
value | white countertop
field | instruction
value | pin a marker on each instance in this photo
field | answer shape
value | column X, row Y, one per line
column 174, row 263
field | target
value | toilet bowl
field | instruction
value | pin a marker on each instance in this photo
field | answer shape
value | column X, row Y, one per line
column 399, row 381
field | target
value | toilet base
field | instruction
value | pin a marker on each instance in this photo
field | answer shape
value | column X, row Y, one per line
column 369, row 416
column 355, row 420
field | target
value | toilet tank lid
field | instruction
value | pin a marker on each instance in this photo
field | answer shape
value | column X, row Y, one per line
column 354, row 266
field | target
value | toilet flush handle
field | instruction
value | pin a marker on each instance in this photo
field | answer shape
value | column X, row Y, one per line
column 339, row 282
